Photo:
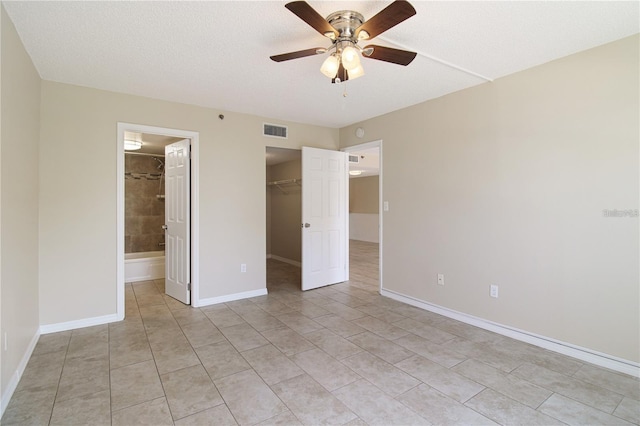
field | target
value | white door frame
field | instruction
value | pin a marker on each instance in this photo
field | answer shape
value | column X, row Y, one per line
column 195, row 222
column 368, row 145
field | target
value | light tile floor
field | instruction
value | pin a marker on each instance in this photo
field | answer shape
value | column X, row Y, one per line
column 336, row 355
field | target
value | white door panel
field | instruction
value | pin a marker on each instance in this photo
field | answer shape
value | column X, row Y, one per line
column 325, row 194
column 177, row 215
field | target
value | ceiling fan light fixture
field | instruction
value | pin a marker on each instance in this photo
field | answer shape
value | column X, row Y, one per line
column 350, row 58
column 356, row 72
column 355, row 172
column 131, row 145
column 363, row 35
column 330, row 66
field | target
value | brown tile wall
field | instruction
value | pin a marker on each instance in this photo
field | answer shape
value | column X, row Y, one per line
column 143, row 211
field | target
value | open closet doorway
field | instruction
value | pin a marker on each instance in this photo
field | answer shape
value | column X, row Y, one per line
column 156, row 215
column 283, row 218
column 365, row 213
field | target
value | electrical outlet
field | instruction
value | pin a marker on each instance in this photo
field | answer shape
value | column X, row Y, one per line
column 385, row 206
column 243, row 267
column 494, row 291
column 441, row 279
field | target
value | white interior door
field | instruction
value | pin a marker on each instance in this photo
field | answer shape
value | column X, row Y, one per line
column 177, row 215
column 325, row 195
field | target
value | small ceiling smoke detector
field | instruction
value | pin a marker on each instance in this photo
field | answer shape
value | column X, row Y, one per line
column 130, row 145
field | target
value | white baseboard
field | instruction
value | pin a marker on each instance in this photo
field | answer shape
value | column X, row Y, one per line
column 230, row 297
column 72, row 325
column 285, row 260
column 15, row 377
column 584, row 354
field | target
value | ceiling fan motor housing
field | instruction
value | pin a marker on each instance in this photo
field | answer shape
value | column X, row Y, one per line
column 346, row 22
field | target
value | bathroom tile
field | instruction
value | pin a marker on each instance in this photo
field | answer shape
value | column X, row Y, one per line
column 309, row 309
column 572, row 412
column 216, row 416
column 53, row 342
column 221, row 316
column 284, row 419
column 261, row 320
column 380, row 373
column 381, row 347
column 629, row 409
column 30, row 407
column 173, row 355
column 433, row 351
column 83, row 376
column 324, row 369
column 221, row 359
column 381, row 328
column 336, row 346
column 135, row 384
column 440, row 409
column 89, row 344
column 343, row 311
column 339, row 326
column 155, row 412
column 299, row 323
column 202, row 333
column 432, row 334
column 94, row 409
column 376, row 407
column 617, row 382
column 249, row 398
column 188, row 316
column 504, row 410
column 243, row 337
column 287, row 340
column 42, row 371
column 507, row 384
column 311, row 403
column 127, row 351
column 578, row 390
column 446, row 381
column 189, row 391
column 484, row 352
column 271, row 364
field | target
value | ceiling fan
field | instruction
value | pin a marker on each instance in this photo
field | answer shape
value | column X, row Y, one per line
column 345, row 29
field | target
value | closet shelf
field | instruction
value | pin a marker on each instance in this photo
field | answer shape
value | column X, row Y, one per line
column 278, row 183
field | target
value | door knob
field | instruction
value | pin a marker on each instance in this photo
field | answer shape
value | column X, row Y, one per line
column 165, row 227
column 307, row 225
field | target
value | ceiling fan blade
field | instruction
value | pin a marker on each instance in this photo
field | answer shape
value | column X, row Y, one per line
column 389, row 54
column 341, row 75
column 387, row 18
column 298, row 54
column 305, row 12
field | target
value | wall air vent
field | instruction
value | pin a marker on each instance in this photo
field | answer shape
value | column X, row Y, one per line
column 354, row 159
column 274, row 131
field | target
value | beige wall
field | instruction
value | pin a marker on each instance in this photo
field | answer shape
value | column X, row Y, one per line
column 20, row 101
column 364, row 195
column 78, row 255
column 506, row 183
column 286, row 212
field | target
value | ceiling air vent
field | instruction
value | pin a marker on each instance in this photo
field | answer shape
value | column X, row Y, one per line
column 274, row 131
column 354, row 159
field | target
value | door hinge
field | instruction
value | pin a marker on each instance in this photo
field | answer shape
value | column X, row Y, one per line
column 188, row 286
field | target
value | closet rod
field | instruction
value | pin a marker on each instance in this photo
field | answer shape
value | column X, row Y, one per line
column 284, row 182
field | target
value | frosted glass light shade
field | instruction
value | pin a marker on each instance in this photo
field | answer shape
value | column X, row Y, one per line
column 350, row 58
column 330, row 66
column 356, row 72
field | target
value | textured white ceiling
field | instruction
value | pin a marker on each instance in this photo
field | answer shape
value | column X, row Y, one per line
column 216, row 54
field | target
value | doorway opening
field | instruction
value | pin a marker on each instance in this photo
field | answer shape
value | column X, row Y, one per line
column 146, row 182
column 365, row 212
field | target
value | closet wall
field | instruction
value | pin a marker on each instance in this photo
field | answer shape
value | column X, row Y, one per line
column 284, row 212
